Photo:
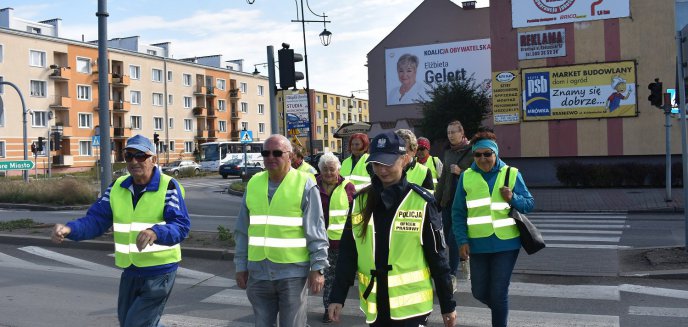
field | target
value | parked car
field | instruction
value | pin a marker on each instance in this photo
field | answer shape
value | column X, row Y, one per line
column 235, row 167
column 178, row 167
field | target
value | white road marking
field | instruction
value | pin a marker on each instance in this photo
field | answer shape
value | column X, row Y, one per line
column 581, row 231
column 183, row 321
column 589, row 222
column 656, row 291
column 579, row 226
column 84, row 264
column 658, row 312
column 587, row 246
column 581, row 238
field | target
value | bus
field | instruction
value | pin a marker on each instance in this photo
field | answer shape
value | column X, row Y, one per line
column 214, row 154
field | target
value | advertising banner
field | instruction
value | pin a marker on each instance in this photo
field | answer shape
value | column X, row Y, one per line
column 542, row 44
column 506, row 104
column 296, row 106
column 582, row 91
column 525, row 13
column 412, row 71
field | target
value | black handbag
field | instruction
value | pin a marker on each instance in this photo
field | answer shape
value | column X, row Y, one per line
column 531, row 239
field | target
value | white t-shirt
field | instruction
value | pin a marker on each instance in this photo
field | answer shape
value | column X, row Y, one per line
column 416, row 92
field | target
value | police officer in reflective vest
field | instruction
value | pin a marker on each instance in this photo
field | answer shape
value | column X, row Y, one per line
column 394, row 245
column 354, row 167
column 149, row 218
column 415, row 173
column 281, row 242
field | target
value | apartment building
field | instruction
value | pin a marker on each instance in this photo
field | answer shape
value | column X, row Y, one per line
column 187, row 102
column 329, row 112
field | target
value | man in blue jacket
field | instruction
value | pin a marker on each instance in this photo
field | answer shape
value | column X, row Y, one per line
column 149, row 219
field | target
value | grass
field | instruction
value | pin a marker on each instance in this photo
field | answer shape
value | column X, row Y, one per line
column 63, row 191
column 16, row 224
column 225, row 235
column 238, row 186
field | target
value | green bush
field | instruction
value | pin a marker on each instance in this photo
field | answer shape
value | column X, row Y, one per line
column 575, row 174
column 64, row 191
column 16, row 224
column 225, row 235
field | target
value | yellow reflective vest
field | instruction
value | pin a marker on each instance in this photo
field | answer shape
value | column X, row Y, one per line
column 339, row 207
column 488, row 213
column 430, row 163
column 358, row 175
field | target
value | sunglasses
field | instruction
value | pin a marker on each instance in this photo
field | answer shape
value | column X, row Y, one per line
column 275, row 153
column 140, row 156
column 483, row 154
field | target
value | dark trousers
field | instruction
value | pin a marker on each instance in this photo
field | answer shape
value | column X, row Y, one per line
column 142, row 299
column 490, row 278
column 332, row 255
column 450, row 238
column 410, row 322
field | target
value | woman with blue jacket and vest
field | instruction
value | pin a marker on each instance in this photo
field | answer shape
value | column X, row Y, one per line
column 482, row 225
column 393, row 244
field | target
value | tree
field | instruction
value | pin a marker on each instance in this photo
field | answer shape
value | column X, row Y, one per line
column 461, row 100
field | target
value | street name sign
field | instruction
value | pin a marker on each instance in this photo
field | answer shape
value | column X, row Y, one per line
column 16, row 165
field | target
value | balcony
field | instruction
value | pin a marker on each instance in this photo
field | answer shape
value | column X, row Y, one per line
column 325, row 120
column 63, row 160
column 96, row 80
column 234, row 94
column 66, row 129
column 96, row 108
column 234, row 135
column 211, row 134
column 61, row 103
column 120, row 81
column 201, row 133
column 210, row 92
column 200, row 90
column 121, row 132
column 211, row 112
column 235, row 115
column 122, row 106
column 199, row 111
column 60, row 73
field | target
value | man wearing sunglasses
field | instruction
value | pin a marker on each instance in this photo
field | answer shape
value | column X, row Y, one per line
column 149, row 218
column 281, row 241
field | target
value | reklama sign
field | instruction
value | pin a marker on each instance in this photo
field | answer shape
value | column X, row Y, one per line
column 525, row 13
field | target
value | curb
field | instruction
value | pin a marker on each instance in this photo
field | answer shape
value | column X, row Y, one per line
column 659, row 274
column 41, row 207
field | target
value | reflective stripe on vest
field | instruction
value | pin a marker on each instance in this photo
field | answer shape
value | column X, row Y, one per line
column 358, row 175
column 488, row 213
column 430, row 163
column 129, row 221
column 410, row 289
column 275, row 229
column 417, row 174
column 339, row 207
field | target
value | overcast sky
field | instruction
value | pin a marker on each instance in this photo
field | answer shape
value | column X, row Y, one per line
column 238, row 30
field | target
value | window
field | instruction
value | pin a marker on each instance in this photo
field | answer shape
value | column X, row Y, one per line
column 134, row 72
column 169, row 76
column 244, row 107
column 169, row 99
column 317, row 100
column 187, row 79
column 85, row 148
column 157, row 75
column 2, row 149
column 158, row 123
column 36, row 58
column 318, row 130
column 188, row 146
column 170, row 123
column 365, row 105
column 260, row 90
column 135, row 122
column 222, row 126
column 2, row 116
column 188, row 125
column 221, row 105
column 135, row 97
column 319, row 115
column 261, row 128
column 160, row 147
column 39, row 119
column 157, row 99
column 85, row 120
column 171, row 146
column 83, row 92
column 243, row 87
column 152, row 52
column 2, row 52
column 261, row 109
column 244, row 125
column 187, row 102
column 332, row 101
column 38, row 89
column 221, row 84
column 83, row 65
column 2, row 86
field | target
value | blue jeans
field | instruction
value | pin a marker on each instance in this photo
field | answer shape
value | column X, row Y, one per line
column 284, row 296
column 490, row 278
column 142, row 299
column 451, row 240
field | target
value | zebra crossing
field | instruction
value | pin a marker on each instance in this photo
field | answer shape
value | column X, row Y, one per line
column 205, row 183
column 578, row 230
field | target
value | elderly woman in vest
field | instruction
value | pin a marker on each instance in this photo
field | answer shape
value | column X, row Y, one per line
column 354, row 167
column 392, row 243
column 482, row 225
column 336, row 196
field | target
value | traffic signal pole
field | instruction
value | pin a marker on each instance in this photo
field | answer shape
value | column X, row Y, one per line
column 682, row 109
column 103, row 99
column 25, row 173
column 274, row 128
column 667, row 125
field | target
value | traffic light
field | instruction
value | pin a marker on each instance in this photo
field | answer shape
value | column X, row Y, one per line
column 288, row 74
column 156, row 138
column 57, row 140
column 39, row 147
column 33, row 147
column 656, row 96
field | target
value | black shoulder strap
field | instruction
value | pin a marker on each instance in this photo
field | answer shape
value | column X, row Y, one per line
column 506, row 179
column 424, row 193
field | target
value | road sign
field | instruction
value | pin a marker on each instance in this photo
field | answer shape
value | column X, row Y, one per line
column 16, row 165
column 246, row 136
column 95, row 141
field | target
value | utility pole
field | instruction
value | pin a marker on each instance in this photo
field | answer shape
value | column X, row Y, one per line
column 25, row 173
column 272, row 84
column 680, row 72
column 103, row 98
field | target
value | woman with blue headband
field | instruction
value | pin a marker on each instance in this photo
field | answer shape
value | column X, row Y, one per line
column 483, row 228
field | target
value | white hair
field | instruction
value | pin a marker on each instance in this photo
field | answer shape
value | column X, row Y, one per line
column 328, row 157
column 281, row 139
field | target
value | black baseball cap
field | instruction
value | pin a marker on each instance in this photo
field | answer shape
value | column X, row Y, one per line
column 385, row 148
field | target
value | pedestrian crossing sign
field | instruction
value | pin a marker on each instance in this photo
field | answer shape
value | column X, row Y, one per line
column 246, row 136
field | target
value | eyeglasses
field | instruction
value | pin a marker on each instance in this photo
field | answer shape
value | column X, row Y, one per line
column 422, row 148
column 140, row 156
column 483, row 154
column 275, row 153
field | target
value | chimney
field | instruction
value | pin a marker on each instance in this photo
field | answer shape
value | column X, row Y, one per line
column 6, row 17
column 468, row 5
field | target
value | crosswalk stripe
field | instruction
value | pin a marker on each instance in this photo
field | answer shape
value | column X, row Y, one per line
column 580, row 231
column 579, row 221
column 84, row 264
column 581, row 238
column 587, row 246
column 658, row 312
column 579, row 226
column 656, row 291
column 183, row 321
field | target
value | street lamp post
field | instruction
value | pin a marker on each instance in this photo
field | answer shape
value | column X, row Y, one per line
column 325, row 39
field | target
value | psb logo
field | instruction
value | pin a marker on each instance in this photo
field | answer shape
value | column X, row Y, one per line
column 554, row 6
column 537, row 97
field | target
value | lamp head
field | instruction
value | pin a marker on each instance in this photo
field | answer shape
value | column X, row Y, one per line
column 285, row 45
column 325, row 37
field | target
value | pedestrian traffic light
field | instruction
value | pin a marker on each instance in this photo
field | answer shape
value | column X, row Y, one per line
column 288, row 74
column 156, row 138
column 33, row 147
column 57, row 140
column 39, row 147
column 656, row 96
